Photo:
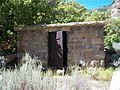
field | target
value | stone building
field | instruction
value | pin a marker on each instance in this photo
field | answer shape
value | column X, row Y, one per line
column 58, row 45
column 115, row 9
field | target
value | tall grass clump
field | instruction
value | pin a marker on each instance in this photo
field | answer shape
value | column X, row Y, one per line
column 26, row 78
column 30, row 77
column 99, row 74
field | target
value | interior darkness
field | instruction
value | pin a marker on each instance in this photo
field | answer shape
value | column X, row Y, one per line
column 65, row 49
column 57, row 56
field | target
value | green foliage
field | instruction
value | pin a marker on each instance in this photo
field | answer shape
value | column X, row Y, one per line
column 72, row 12
column 105, row 75
column 23, row 12
column 98, row 16
column 112, row 32
column 98, row 73
column 30, row 12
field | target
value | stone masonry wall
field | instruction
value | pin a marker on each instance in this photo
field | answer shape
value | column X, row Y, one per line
column 34, row 43
column 85, row 44
column 84, row 41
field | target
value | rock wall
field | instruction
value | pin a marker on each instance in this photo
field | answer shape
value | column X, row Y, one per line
column 34, row 43
column 85, row 44
column 84, row 41
column 115, row 9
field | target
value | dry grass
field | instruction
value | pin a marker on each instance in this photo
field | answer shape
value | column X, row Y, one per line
column 98, row 73
column 30, row 77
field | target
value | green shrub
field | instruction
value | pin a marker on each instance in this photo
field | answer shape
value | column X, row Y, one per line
column 105, row 74
column 98, row 16
column 72, row 12
column 98, row 73
column 112, row 32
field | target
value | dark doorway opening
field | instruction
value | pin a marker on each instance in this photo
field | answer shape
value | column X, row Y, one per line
column 57, row 49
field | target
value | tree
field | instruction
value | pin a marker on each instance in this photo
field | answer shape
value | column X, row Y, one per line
column 71, row 12
column 23, row 12
column 112, row 32
column 98, row 16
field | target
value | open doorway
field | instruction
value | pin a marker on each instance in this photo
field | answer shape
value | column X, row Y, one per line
column 57, row 49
